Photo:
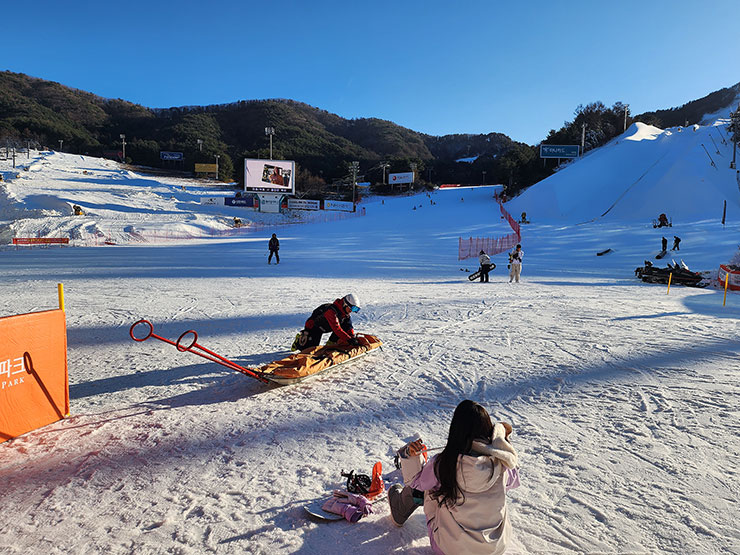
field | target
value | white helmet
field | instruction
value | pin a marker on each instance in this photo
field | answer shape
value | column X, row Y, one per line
column 352, row 302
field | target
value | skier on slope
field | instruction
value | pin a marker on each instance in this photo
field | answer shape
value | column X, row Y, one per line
column 463, row 489
column 274, row 246
column 330, row 317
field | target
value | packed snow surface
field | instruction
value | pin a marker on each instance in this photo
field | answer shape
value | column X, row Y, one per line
column 623, row 397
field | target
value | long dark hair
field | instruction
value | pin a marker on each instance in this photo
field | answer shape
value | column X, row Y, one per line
column 470, row 421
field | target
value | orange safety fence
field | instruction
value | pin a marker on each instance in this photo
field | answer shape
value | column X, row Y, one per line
column 468, row 248
column 40, row 240
column 34, row 387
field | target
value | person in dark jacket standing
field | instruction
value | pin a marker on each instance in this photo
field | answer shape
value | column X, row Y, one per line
column 676, row 242
column 664, row 244
column 485, row 266
column 330, row 317
column 274, row 246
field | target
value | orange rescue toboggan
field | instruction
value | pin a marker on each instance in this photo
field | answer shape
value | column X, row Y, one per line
column 291, row 369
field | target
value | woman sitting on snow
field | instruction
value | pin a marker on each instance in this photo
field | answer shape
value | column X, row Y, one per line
column 463, row 489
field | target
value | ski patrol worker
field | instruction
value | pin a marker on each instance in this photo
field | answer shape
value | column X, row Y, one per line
column 330, row 317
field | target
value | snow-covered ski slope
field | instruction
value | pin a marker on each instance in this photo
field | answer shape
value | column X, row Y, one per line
column 623, row 398
column 683, row 172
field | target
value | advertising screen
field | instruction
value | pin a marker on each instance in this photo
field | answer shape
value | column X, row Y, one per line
column 269, row 176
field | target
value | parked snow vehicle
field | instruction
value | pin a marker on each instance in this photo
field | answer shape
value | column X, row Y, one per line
column 681, row 274
column 294, row 368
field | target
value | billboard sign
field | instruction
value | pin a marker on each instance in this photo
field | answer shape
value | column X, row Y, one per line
column 241, row 201
column 164, row 155
column 303, row 204
column 342, row 205
column 405, row 177
column 559, row 151
column 206, row 168
column 269, row 176
column 212, row 201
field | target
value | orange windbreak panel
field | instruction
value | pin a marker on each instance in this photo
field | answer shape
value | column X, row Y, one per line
column 33, row 372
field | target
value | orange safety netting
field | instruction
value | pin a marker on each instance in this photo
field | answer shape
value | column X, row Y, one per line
column 468, row 248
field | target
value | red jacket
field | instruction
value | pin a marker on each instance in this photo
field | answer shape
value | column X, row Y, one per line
column 332, row 317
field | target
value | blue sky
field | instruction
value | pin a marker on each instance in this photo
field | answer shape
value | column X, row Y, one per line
column 519, row 68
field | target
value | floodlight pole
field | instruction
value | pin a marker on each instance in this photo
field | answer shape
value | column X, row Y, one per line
column 735, row 128
column 200, row 145
column 61, row 142
column 123, row 146
column 484, row 177
column 217, row 157
column 384, row 165
column 270, row 131
column 354, row 167
column 583, row 139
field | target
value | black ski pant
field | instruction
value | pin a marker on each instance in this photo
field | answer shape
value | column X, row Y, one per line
column 484, row 269
column 277, row 257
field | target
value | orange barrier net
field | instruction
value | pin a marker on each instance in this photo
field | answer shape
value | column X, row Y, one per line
column 34, row 388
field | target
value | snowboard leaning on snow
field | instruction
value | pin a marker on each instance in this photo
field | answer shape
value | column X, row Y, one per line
column 661, row 254
column 315, row 508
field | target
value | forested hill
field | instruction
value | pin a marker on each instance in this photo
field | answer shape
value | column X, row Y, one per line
column 322, row 143
column 691, row 112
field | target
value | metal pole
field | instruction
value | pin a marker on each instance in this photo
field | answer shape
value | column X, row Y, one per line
column 217, row 167
column 583, row 139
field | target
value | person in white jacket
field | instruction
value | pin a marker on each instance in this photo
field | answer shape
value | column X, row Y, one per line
column 463, row 489
column 515, row 263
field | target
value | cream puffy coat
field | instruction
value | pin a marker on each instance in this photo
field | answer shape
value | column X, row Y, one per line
column 479, row 523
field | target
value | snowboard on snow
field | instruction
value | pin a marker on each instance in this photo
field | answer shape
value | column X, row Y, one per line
column 661, row 254
column 476, row 275
column 315, row 509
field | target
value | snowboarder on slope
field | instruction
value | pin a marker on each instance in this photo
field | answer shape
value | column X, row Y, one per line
column 664, row 244
column 676, row 241
column 485, row 266
column 330, row 317
column 274, row 246
column 515, row 263
column 463, row 489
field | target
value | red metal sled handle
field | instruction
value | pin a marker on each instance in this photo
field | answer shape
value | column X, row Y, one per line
column 149, row 334
column 194, row 348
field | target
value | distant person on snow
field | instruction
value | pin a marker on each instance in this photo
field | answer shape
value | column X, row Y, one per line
column 274, row 246
column 462, row 489
column 485, row 266
column 664, row 244
column 515, row 263
column 330, row 317
column 676, row 241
